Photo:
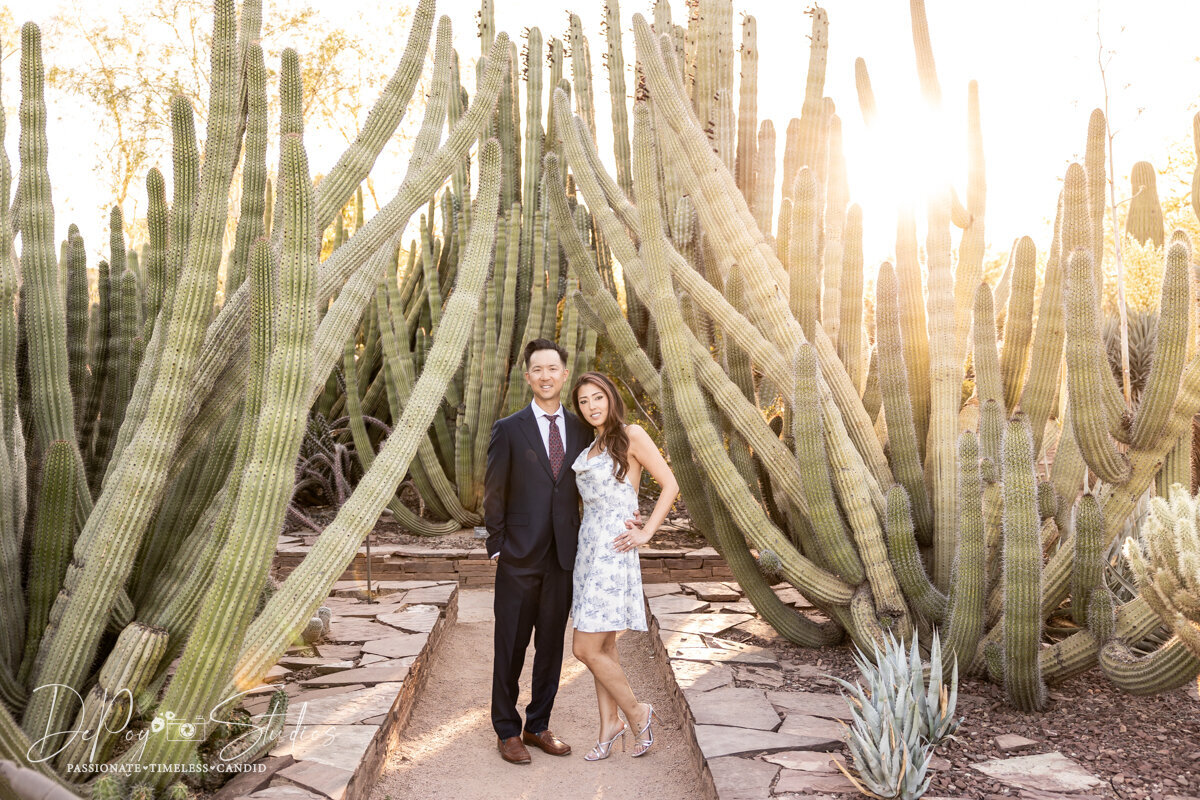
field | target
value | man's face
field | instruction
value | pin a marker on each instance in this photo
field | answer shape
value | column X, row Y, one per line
column 546, row 374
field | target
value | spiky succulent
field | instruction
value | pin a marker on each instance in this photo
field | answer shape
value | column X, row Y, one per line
column 1143, row 326
column 896, row 719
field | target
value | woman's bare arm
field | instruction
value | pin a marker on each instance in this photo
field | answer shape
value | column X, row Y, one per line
column 644, row 452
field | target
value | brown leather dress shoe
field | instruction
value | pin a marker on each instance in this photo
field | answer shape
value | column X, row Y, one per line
column 547, row 742
column 512, row 751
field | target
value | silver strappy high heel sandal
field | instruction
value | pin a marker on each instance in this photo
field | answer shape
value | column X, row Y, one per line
column 645, row 737
column 603, row 750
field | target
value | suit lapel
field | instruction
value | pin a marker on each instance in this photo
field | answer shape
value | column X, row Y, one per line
column 529, row 426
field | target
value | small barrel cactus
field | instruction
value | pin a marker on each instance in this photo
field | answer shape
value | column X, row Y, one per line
column 770, row 566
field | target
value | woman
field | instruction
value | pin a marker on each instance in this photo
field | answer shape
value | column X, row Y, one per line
column 608, row 578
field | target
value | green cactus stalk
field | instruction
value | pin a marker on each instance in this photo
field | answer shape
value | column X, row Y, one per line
column 747, row 117
column 1168, row 667
column 829, row 530
column 107, row 707
column 1145, row 219
column 837, row 195
column 912, row 316
column 850, row 288
column 51, row 550
column 970, row 250
column 968, row 582
column 114, row 530
column 266, row 484
column 1094, row 164
column 906, row 558
column 804, row 257
column 794, row 626
column 905, row 455
column 763, row 200
column 1088, row 376
column 1087, row 568
column 1170, row 348
column 1018, row 320
column 53, row 409
column 304, row 589
column 931, row 90
column 78, row 300
column 945, row 394
column 1022, row 571
column 989, row 386
column 1041, row 384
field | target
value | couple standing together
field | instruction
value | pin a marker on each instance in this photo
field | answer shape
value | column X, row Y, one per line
column 542, row 461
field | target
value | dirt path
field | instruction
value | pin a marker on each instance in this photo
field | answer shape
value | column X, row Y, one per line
column 449, row 749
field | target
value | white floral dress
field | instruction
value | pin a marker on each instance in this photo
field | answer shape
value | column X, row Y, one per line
column 607, row 584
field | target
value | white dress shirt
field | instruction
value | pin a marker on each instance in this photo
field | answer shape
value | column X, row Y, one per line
column 543, row 423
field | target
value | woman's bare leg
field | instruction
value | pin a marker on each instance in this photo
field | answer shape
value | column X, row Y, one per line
column 598, row 651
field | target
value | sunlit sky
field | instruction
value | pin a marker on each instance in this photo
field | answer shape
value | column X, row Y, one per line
column 1036, row 63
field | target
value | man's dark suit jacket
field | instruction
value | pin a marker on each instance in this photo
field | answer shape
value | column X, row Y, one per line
column 524, row 508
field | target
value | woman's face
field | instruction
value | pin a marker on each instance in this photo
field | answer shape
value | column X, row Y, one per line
column 593, row 404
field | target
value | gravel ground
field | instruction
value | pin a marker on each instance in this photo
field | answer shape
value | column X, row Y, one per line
column 1141, row 747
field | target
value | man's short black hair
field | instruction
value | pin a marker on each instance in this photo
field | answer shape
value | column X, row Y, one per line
column 544, row 344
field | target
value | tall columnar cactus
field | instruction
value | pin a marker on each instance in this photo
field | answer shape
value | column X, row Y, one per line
column 192, row 458
column 1145, row 220
column 1022, row 571
column 713, row 257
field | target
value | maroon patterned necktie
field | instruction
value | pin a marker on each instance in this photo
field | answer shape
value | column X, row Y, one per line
column 556, row 446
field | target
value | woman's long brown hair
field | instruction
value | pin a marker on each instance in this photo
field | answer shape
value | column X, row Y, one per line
column 611, row 435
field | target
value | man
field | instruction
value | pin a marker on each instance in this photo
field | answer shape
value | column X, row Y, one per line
column 531, row 509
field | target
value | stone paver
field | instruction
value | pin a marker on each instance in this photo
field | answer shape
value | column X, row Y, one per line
column 818, row 727
column 246, row 783
column 395, row 669
column 816, row 704
column 434, row 595
column 676, row 604
column 806, row 761
column 701, row 676
column 712, row 592
column 721, row 740
column 723, row 654
column 742, row 778
column 1047, row 772
column 398, row 645
column 742, row 708
column 801, row 782
column 353, row 629
column 700, row 623
column 414, row 619
column 332, row 745
column 1011, row 742
column 740, row 607
column 758, row 628
column 659, row 589
column 344, row 707
column 286, row 791
column 324, row 779
column 753, row 673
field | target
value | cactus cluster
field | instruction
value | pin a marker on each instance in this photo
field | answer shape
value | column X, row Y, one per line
column 149, row 445
column 889, row 522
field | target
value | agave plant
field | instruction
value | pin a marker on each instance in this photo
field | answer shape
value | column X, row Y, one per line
column 897, row 719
